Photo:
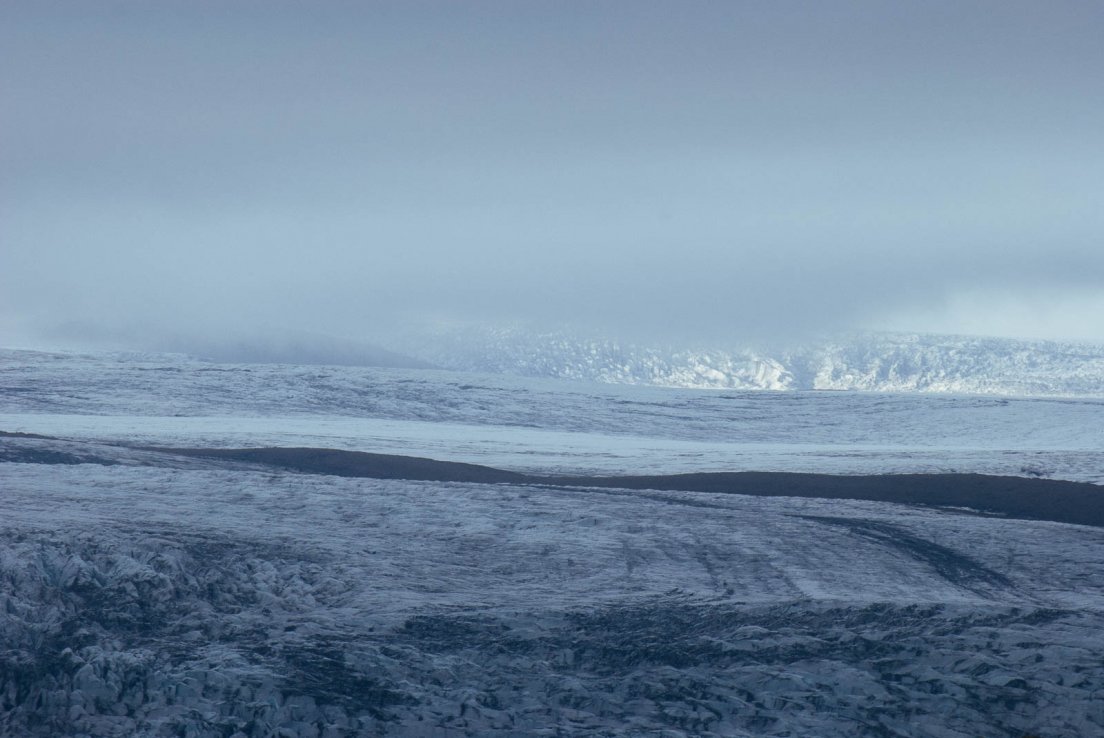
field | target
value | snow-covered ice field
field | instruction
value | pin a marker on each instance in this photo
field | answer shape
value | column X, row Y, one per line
column 199, row 599
column 545, row 425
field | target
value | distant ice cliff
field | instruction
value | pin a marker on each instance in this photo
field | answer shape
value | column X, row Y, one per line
column 875, row 362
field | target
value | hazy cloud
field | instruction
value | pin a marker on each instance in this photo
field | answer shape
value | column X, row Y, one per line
column 722, row 170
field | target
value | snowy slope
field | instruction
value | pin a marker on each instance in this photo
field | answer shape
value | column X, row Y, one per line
column 871, row 362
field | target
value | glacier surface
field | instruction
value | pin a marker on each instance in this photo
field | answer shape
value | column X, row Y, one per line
column 874, row 362
column 140, row 596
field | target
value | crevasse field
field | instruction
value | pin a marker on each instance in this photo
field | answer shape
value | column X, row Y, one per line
column 143, row 593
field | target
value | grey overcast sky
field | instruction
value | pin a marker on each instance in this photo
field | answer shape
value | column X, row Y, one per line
column 729, row 170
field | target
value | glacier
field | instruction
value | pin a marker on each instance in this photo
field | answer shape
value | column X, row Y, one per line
column 156, row 595
column 879, row 362
column 542, row 424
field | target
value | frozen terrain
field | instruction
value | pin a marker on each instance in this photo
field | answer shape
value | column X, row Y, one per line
column 873, row 362
column 143, row 593
column 544, row 425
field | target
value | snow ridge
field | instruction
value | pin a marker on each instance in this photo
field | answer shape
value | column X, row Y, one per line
column 875, row 362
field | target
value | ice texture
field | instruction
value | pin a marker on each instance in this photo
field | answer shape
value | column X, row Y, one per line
column 873, row 362
column 543, row 425
column 149, row 595
column 205, row 602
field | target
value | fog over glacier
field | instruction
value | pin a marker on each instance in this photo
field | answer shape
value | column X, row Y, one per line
column 489, row 368
column 186, row 172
